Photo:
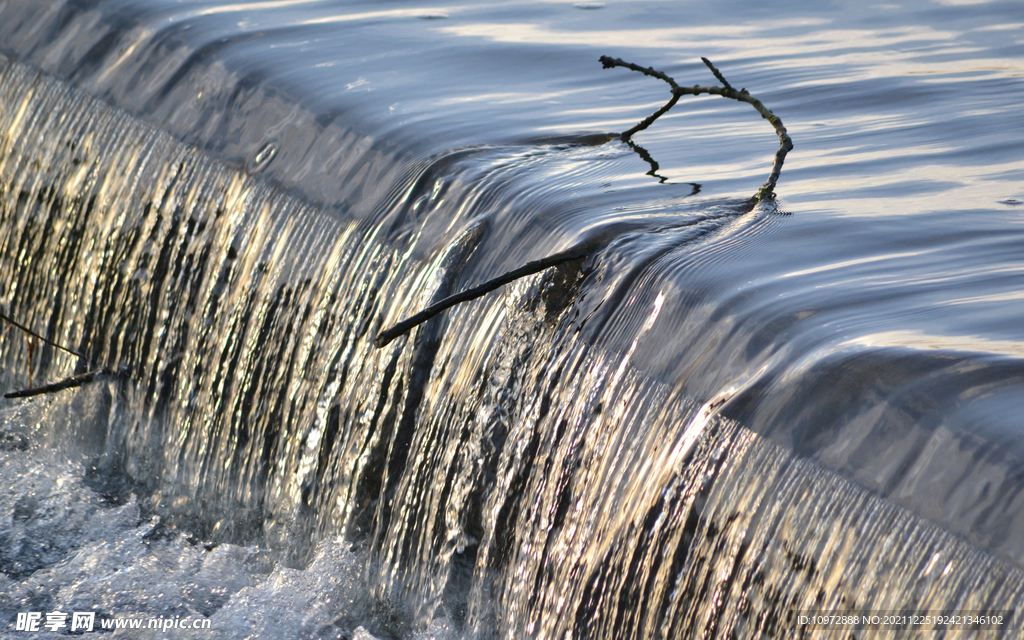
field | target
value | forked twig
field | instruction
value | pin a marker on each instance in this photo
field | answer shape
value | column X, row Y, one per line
column 67, row 383
column 767, row 190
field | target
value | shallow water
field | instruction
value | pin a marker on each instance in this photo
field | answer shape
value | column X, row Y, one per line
column 359, row 160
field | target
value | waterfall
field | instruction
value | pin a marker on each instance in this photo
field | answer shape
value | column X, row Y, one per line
column 519, row 466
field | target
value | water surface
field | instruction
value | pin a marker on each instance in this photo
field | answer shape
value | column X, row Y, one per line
column 372, row 157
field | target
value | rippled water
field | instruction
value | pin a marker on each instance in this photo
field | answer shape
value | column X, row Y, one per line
column 356, row 161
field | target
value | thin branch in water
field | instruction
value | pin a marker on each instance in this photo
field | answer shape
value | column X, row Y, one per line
column 32, row 333
column 33, row 340
column 405, row 326
column 66, row 383
column 646, row 156
column 649, row 120
column 767, row 190
column 649, row 159
column 718, row 74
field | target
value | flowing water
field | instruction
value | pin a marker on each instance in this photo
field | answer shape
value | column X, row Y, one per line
column 723, row 415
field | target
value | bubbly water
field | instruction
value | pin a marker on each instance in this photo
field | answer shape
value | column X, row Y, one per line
column 721, row 416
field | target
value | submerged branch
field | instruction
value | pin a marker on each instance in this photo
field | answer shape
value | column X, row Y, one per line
column 66, row 383
column 767, row 190
column 530, row 268
column 649, row 159
column 35, row 335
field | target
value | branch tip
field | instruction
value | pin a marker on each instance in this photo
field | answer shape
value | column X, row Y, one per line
column 536, row 266
column 718, row 74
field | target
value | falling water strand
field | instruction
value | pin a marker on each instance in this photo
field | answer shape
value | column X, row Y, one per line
column 499, row 467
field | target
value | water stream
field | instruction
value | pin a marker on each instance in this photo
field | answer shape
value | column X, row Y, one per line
column 725, row 414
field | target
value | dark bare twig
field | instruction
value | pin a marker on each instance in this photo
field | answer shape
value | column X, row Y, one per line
column 66, row 383
column 530, row 268
column 32, row 333
column 767, row 190
column 718, row 74
column 610, row 62
column 649, row 159
column 649, row 120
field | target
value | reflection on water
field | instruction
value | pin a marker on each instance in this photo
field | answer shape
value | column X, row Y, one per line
column 678, row 435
